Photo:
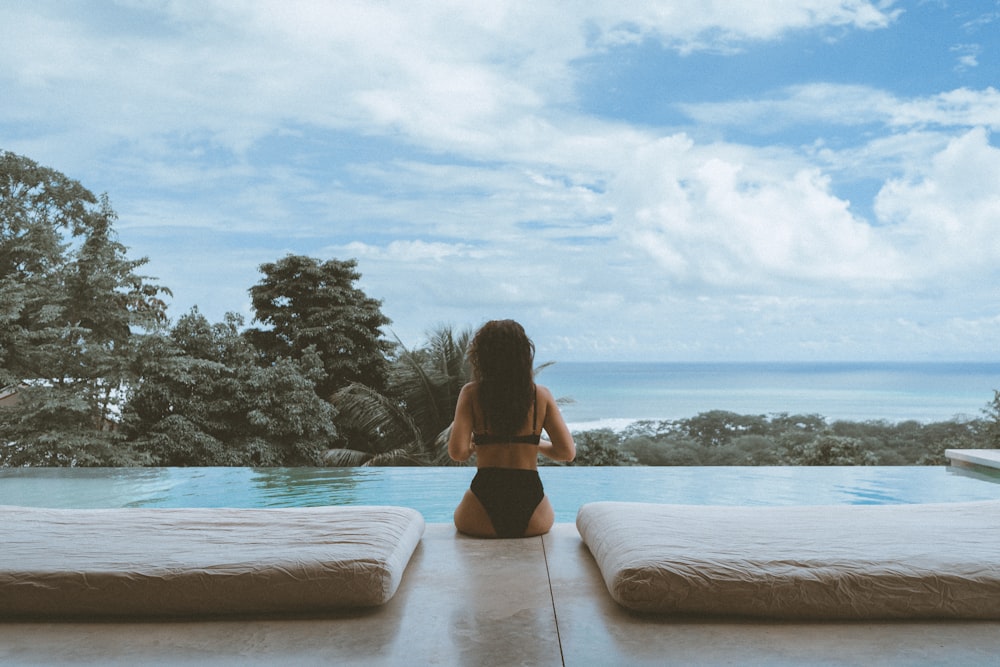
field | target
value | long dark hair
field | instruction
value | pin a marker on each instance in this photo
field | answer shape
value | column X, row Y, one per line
column 502, row 358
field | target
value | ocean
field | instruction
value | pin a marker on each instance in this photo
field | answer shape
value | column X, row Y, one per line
column 615, row 394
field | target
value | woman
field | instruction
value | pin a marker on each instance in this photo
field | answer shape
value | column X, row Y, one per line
column 499, row 417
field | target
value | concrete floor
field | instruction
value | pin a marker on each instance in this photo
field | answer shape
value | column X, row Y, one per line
column 538, row 601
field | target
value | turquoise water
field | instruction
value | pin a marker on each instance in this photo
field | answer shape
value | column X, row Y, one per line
column 435, row 491
column 614, row 394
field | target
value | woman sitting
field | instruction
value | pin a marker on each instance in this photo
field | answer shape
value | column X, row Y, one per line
column 500, row 417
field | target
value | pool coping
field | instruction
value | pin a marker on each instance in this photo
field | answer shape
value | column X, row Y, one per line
column 984, row 458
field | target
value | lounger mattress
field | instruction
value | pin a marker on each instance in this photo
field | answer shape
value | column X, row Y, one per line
column 836, row 562
column 170, row 562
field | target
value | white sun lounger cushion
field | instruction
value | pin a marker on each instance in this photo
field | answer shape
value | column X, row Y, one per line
column 156, row 562
column 846, row 562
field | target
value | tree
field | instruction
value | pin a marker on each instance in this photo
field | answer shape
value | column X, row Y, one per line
column 71, row 304
column 601, row 447
column 201, row 399
column 831, row 450
column 52, row 426
column 991, row 431
column 313, row 307
column 718, row 427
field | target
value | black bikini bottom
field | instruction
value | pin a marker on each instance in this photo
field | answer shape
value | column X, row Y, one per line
column 509, row 496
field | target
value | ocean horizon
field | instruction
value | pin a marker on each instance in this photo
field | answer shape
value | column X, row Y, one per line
column 615, row 394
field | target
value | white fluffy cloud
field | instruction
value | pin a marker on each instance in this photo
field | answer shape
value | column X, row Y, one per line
column 725, row 216
column 946, row 214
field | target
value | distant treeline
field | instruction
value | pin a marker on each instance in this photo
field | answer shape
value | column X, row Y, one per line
column 729, row 439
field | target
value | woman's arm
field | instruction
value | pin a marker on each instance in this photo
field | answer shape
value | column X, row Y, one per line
column 560, row 445
column 460, row 446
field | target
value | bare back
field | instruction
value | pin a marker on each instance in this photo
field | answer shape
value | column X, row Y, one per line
column 468, row 416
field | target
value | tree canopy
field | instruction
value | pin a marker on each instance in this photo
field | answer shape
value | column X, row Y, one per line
column 313, row 307
column 70, row 303
column 201, row 399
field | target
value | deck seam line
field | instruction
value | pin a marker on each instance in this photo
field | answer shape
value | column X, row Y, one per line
column 552, row 597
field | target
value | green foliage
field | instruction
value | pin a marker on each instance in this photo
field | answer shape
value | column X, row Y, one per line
column 201, row 399
column 652, row 451
column 719, row 427
column 832, row 450
column 57, row 430
column 600, row 448
column 408, row 423
column 314, row 308
column 992, row 427
column 70, row 304
column 379, row 429
column 723, row 438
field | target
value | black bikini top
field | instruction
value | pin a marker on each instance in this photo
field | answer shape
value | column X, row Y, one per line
column 528, row 439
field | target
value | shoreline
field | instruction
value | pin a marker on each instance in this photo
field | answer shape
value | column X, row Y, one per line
column 620, row 424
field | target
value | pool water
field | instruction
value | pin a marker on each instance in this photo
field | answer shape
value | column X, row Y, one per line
column 435, row 491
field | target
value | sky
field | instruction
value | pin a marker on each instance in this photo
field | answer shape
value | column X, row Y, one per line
column 687, row 180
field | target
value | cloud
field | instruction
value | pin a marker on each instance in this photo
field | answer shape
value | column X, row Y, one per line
column 967, row 56
column 959, row 107
column 234, row 72
column 693, row 25
column 726, row 216
column 945, row 214
column 443, row 145
column 847, row 105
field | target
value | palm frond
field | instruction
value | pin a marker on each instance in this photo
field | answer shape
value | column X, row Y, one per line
column 371, row 412
column 393, row 457
column 345, row 458
column 404, row 425
column 542, row 366
column 437, row 453
column 413, row 365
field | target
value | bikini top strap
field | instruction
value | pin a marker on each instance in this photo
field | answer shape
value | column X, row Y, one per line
column 534, row 409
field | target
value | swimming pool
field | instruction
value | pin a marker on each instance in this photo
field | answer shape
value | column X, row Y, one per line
column 435, row 491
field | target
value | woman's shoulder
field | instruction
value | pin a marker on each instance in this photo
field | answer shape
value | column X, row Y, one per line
column 543, row 392
column 469, row 391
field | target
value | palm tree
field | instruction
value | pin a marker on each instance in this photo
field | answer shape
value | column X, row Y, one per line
column 408, row 424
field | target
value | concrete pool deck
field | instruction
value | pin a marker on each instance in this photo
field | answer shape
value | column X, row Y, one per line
column 537, row 601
